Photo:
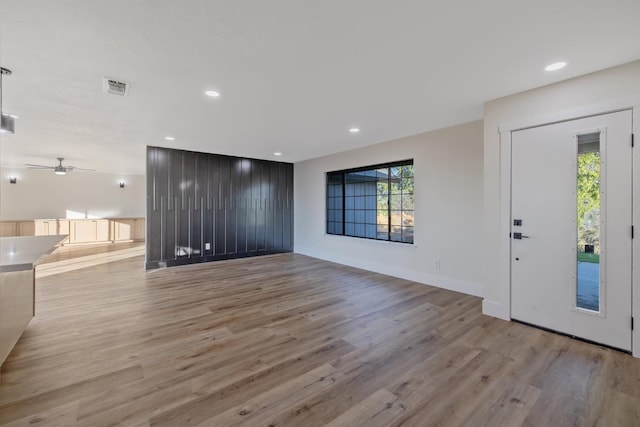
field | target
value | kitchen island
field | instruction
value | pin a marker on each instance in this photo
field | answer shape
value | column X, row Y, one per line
column 18, row 260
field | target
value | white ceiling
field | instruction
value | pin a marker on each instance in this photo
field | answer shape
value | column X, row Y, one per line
column 294, row 75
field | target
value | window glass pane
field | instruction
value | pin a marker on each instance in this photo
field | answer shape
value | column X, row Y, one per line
column 360, row 230
column 396, row 217
column 349, row 215
column 334, row 227
column 354, row 177
column 371, row 186
column 349, row 228
column 395, row 171
column 371, row 217
column 396, row 236
column 382, row 201
column 407, row 201
column 407, row 218
column 396, row 202
column 359, row 216
column 359, row 202
column 338, row 227
column 350, row 189
column 334, row 178
column 407, row 185
column 349, row 202
column 371, row 231
column 407, row 234
column 371, row 202
column 407, row 170
column 383, row 232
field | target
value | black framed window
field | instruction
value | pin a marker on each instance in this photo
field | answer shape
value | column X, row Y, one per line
column 372, row 202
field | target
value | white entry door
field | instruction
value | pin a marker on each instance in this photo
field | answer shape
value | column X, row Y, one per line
column 571, row 227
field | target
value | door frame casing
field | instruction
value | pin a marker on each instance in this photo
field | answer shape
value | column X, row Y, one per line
column 502, row 308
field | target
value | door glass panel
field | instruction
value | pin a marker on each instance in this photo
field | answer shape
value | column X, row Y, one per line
column 588, row 214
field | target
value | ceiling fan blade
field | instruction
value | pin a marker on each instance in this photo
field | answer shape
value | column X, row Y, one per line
column 73, row 168
column 39, row 166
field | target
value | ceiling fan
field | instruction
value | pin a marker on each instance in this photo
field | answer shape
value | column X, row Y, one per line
column 60, row 169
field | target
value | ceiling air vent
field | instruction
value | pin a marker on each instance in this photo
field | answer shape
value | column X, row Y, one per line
column 115, row 87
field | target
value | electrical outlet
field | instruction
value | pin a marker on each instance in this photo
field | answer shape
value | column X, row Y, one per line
column 207, row 246
column 436, row 264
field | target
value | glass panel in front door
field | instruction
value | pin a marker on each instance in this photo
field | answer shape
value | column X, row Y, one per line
column 588, row 222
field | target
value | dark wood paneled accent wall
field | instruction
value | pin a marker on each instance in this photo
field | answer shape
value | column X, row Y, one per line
column 239, row 207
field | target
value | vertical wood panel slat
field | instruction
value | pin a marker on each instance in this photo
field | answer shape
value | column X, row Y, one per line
column 168, row 180
column 196, row 181
column 163, row 235
column 202, row 230
column 214, row 212
column 176, row 227
column 189, row 228
column 182, row 180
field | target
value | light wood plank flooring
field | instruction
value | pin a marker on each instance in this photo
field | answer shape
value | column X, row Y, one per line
column 288, row 340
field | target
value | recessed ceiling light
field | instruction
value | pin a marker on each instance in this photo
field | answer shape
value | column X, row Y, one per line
column 212, row 93
column 277, row 153
column 354, row 130
column 555, row 66
column 169, row 138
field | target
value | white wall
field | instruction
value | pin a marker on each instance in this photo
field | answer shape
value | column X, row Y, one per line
column 599, row 92
column 41, row 194
column 448, row 210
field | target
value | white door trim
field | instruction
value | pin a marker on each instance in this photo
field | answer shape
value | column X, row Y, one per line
column 635, row 287
column 626, row 103
column 502, row 308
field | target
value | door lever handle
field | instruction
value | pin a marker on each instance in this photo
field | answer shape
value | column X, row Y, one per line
column 519, row 236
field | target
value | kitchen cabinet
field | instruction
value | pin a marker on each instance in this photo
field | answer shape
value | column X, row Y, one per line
column 101, row 230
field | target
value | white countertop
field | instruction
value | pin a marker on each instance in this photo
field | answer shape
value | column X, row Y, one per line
column 21, row 253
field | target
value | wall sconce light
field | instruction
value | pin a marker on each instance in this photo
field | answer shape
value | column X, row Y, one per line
column 13, row 180
column 121, row 184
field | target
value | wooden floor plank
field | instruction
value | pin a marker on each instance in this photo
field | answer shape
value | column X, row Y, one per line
column 380, row 409
column 288, row 340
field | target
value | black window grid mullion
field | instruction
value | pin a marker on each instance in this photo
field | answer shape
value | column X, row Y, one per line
column 389, row 204
column 344, row 202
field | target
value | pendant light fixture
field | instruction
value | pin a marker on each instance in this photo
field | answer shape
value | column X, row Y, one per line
column 7, row 123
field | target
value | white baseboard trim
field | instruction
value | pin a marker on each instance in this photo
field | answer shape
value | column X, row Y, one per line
column 462, row 286
column 495, row 309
